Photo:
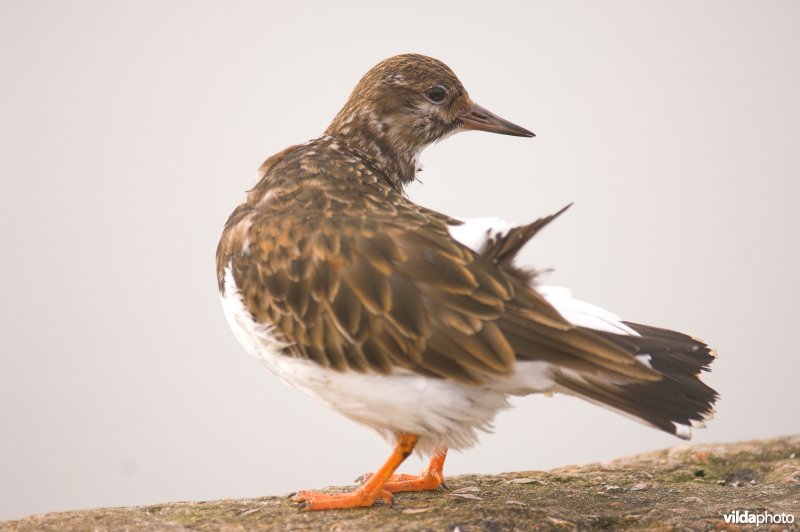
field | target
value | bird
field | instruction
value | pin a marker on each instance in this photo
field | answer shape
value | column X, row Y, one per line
column 417, row 324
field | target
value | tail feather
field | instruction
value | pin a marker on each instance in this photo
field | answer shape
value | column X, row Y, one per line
column 673, row 403
column 676, row 402
column 502, row 247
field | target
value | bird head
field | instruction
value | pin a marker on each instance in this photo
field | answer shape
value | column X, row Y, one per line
column 404, row 104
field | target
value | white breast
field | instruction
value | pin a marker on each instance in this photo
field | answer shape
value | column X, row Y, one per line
column 442, row 412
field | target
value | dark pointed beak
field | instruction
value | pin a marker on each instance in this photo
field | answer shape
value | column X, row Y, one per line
column 479, row 119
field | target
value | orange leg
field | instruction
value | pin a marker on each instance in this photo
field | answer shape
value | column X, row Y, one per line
column 429, row 479
column 369, row 491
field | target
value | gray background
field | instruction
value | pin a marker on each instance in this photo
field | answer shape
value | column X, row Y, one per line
column 129, row 131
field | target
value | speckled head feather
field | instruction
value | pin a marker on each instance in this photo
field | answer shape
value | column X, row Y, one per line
column 400, row 107
column 391, row 117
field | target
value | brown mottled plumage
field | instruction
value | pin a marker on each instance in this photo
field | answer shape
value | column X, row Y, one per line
column 353, row 275
column 328, row 270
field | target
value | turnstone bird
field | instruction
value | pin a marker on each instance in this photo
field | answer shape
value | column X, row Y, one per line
column 409, row 321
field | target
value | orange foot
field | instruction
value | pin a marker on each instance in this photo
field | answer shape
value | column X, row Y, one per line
column 369, row 491
column 314, row 500
column 430, row 479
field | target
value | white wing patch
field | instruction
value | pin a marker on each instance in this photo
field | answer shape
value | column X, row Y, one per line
column 582, row 313
column 474, row 232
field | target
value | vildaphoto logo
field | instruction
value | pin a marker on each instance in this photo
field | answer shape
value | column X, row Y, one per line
column 746, row 517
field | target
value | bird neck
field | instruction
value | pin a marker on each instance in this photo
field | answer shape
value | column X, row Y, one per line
column 380, row 145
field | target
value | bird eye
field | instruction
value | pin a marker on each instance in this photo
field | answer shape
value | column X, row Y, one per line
column 436, row 94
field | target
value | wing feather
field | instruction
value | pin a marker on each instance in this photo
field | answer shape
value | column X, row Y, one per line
column 376, row 295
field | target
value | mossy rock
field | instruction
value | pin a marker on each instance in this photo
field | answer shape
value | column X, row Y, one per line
column 687, row 487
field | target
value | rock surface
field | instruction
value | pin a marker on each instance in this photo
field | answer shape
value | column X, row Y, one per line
column 687, row 487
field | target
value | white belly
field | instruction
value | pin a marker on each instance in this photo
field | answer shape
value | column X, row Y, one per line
column 442, row 413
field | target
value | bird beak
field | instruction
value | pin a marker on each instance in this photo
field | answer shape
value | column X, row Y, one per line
column 479, row 119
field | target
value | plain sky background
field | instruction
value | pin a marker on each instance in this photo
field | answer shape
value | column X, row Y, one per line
column 129, row 131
